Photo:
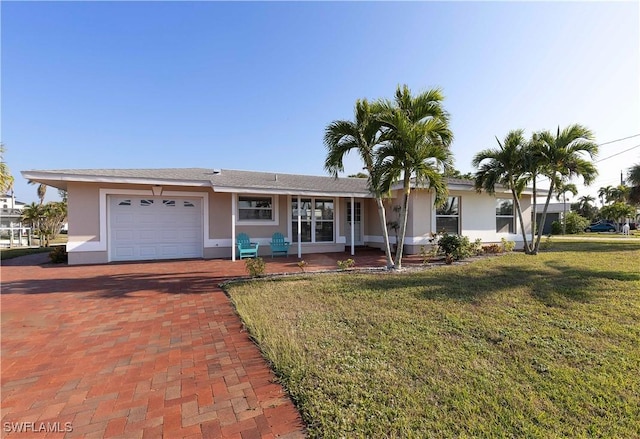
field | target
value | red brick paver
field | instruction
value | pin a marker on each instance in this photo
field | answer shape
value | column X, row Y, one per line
column 139, row 350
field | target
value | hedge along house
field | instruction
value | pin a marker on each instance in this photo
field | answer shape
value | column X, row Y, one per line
column 148, row 214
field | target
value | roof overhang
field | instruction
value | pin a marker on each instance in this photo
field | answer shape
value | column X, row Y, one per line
column 292, row 192
column 60, row 181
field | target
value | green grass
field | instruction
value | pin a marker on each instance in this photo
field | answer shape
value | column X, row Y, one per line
column 511, row 346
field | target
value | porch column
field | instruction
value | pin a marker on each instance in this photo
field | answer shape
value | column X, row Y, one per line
column 233, row 225
column 353, row 227
column 299, row 230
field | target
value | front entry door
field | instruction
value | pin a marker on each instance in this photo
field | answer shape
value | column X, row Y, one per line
column 357, row 223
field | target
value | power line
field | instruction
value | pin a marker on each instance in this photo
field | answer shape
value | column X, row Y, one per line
column 618, row 153
column 619, row 140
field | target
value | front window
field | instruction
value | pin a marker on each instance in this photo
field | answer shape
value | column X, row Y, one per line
column 504, row 215
column 316, row 217
column 255, row 208
column 448, row 216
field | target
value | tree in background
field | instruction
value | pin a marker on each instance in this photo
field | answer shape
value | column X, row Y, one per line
column 46, row 220
column 41, row 190
column 363, row 137
column 562, row 190
column 633, row 177
column 417, row 139
column 618, row 212
column 585, row 208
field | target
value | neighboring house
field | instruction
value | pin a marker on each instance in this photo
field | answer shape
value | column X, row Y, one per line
column 11, row 211
column 144, row 214
column 554, row 213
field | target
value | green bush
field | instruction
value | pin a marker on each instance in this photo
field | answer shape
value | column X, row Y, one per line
column 507, row 246
column 255, row 267
column 59, row 255
column 556, row 228
column 455, row 247
column 575, row 223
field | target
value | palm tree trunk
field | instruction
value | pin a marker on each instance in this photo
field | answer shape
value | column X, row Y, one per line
column 385, row 233
column 543, row 220
column 516, row 200
column 403, row 220
column 534, row 217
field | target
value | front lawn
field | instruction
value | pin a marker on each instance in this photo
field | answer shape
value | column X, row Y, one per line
column 512, row 346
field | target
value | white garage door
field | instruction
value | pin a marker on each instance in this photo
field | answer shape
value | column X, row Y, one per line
column 143, row 228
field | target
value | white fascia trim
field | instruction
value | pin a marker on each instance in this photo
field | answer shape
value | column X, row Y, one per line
column 101, row 244
column 291, row 192
column 107, row 179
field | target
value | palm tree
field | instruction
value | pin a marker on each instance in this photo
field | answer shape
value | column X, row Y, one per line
column 416, row 139
column 604, row 193
column 31, row 216
column 507, row 166
column 619, row 194
column 584, row 206
column 564, row 156
column 562, row 190
column 42, row 190
column 363, row 136
column 633, row 177
column 6, row 179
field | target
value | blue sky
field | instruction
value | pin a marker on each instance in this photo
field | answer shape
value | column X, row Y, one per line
column 253, row 85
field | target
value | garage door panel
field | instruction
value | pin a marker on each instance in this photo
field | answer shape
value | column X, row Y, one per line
column 142, row 228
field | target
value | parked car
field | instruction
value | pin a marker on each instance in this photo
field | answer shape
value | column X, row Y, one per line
column 601, row 226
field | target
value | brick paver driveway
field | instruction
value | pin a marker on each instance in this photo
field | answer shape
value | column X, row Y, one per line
column 133, row 350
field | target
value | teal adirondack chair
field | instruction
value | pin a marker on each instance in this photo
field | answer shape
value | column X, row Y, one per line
column 246, row 248
column 279, row 245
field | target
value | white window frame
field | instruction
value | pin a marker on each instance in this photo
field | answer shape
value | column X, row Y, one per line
column 275, row 221
column 293, row 221
column 457, row 216
column 512, row 216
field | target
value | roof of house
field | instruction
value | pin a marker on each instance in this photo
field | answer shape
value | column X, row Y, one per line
column 221, row 180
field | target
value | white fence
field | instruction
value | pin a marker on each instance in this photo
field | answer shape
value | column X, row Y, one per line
column 15, row 237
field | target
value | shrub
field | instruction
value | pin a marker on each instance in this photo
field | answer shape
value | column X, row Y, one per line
column 59, row 255
column 255, row 267
column 476, row 247
column 575, row 223
column 507, row 246
column 492, row 248
column 556, row 228
column 455, row 246
column 426, row 255
column 343, row 265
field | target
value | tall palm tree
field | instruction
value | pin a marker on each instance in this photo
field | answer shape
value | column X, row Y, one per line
column 562, row 189
column 604, row 193
column 619, row 194
column 417, row 138
column 6, row 179
column 32, row 215
column 585, row 208
column 633, row 177
column 362, row 136
column 42, row 190
column 508, row 166
column 567, row 154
